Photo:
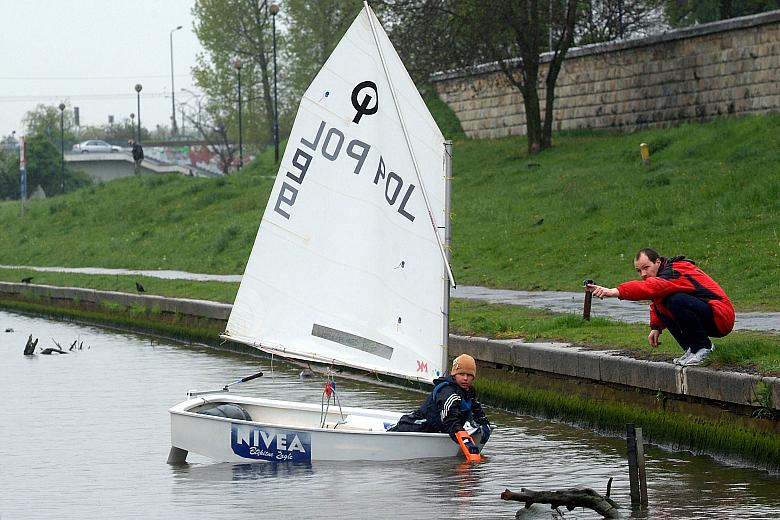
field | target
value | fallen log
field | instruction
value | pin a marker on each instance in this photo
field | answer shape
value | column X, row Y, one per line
column 569, row 498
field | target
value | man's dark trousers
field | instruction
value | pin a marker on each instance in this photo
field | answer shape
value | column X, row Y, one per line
column 690, row 321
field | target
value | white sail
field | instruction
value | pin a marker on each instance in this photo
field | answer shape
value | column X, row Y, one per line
column 348, row 267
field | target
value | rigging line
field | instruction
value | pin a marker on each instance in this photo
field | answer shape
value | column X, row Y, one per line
column 80, row 97
column 409, row 144
column 80, row 78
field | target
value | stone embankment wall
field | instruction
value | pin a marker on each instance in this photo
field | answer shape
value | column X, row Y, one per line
column 694, row 74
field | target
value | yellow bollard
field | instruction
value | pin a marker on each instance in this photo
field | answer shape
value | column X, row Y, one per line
column 645, row 151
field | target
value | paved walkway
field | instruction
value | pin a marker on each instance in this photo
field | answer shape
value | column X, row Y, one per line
column 557, row 301
column 612, row 308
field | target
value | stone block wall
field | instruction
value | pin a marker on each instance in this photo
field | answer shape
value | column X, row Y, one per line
column 694, row 74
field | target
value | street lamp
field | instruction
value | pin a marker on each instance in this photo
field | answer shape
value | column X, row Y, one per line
column 274, row 11
column 237, row 64
column 62, row 147
column 138, row 88
column 173, row 90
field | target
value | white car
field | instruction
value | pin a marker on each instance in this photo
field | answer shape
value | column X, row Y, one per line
column 95, row 146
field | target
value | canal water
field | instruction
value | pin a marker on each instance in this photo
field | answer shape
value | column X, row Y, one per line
column 86, row 435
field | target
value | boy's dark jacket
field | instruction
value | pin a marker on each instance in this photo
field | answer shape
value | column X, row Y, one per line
column 448, row 407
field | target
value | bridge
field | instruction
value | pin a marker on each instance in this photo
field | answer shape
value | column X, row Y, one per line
column 104, row 167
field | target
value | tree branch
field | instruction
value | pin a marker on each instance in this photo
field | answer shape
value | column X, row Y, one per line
column 570, row 498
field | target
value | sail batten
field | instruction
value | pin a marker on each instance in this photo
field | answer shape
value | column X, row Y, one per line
column 349, row 264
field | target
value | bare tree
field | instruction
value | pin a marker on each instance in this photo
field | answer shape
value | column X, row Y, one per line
column 231, row 30
column 212, row 123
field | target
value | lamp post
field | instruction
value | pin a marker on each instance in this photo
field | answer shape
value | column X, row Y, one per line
column 62, row 147
column 237, row 64
column 173, row 90
column 138, row 89
column 274, row 11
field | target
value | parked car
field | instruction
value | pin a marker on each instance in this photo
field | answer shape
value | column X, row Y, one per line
column 95, row 146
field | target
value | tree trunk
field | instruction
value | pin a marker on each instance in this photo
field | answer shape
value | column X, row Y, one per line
column 570, row 498
column 556, row 63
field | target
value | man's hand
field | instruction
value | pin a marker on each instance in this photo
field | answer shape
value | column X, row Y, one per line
column 603, row 292
column 652, row 338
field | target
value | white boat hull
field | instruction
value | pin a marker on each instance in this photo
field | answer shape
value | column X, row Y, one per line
column 285, row 431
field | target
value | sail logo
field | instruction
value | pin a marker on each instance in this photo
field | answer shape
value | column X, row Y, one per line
column 330, row 144
column 271, row 444
column 364, row 108
column 422, row 366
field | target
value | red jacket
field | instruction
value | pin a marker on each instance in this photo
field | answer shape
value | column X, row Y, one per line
column 680, row 275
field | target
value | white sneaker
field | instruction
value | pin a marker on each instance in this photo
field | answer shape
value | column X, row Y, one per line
column 696, row 358
column 679, row 360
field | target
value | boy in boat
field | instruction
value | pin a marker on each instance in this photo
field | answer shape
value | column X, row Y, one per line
column 451, row 403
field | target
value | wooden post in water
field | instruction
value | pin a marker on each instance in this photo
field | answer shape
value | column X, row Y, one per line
column 636, row 466
column 640, row 459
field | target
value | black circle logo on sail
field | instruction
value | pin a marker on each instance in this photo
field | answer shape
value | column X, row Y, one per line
column 363, row 106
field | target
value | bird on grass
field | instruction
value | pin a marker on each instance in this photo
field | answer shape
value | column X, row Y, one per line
column 139, row 287
column 28, row 279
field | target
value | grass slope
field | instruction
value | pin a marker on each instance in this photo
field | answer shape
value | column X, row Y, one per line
column 711, row 193
column 579, row 210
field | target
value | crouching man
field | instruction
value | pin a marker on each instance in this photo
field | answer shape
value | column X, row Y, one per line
column 685, row 301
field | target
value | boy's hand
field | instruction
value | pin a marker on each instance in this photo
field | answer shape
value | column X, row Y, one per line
column 470, row 446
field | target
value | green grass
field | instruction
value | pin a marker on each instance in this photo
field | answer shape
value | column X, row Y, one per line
column 154, row 222
column 224, row 292
column 750, row 351
column 712, row 193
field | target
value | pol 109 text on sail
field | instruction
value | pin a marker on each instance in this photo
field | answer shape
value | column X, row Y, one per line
column 332, row 144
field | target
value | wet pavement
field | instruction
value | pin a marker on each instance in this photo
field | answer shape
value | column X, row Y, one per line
column 556, row 301
column 614, row 309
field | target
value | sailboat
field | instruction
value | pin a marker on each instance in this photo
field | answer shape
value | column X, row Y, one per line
column 349, row 268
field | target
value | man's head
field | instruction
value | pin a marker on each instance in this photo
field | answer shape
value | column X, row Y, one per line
column 464, row 370
column 647, row 262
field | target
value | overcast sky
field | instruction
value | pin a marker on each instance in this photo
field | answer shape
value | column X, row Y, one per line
column 90, row 54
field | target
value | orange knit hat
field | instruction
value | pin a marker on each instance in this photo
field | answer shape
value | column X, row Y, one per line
column 464, row 364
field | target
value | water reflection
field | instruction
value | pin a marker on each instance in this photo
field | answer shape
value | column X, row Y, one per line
column 86, row 435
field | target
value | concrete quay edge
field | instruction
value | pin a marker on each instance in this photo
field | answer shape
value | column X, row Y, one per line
column 607, row 366
column 563, row 359
column 193, row 307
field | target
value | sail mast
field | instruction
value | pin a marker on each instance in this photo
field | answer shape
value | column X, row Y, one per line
column 409, row 146
column 446, row 295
